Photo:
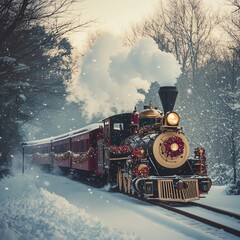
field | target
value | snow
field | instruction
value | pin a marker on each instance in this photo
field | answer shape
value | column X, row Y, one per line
column 30, row 211
column 45, row 206
column 65, row 135
column 219, row 198
column 12, row 62
column 22, row 98
column 8, row 60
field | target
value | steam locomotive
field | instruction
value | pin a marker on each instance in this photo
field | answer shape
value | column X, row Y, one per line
column 142, row 153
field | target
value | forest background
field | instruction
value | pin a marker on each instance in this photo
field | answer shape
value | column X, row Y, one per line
column 38, row 63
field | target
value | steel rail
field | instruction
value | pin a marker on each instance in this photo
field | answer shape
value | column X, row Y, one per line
column 197, row 218
column 217, row 210
column 168, row 206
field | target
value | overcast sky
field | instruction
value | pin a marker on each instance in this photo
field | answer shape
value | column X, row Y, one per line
column 118, row 15
column 113, row 15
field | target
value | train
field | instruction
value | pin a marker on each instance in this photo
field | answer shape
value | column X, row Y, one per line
column 138, row 153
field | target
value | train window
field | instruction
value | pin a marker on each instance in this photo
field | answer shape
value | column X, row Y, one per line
column 80, row 146
column 38, row 149
column 45, row 150
column 63, row 148
column 118, row 126
column 88, row 143
column 55, row 149
column 75, row 146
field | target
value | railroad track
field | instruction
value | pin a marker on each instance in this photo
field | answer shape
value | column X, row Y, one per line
column 211, row 223
column 174, row 207
column 216, row 210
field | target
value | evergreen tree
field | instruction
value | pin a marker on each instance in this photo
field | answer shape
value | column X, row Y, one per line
column 47, row 61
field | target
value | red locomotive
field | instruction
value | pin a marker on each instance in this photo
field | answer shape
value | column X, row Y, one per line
column 142, row 153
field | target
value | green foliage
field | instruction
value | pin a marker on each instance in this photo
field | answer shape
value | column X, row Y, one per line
column 31, row 87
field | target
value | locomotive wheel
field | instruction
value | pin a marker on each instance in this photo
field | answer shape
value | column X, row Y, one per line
column 125, row 184
column 129, row 185
column 120, row 179
column 132, row 192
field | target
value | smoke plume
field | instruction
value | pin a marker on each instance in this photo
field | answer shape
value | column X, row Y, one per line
column 111, row 74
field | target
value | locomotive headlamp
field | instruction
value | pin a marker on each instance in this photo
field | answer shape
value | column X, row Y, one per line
column 172, row 118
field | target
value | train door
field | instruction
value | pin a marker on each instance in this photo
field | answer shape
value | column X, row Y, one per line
column 101, row 162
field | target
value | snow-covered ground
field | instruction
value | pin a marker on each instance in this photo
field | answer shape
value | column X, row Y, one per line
column 43, row 206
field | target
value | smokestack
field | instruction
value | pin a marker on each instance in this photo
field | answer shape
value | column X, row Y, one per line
column 168, row 96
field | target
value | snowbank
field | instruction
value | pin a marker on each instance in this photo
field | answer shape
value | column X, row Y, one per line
column 39, row 214
column 51, row 207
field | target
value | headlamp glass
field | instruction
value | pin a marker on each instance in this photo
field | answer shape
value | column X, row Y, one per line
column 173, row 118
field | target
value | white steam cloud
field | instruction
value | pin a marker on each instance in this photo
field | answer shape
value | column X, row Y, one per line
column 112, row 74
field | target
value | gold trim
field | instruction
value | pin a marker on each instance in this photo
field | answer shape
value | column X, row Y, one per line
column 159, row 151
column 167, row 191
column 150, row 113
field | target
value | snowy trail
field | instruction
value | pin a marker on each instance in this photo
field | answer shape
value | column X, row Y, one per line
column 43, row 206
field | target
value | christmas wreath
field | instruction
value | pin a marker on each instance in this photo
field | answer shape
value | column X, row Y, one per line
column 174, row 146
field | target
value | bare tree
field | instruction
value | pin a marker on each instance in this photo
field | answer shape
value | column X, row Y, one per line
column 15, row 14
column 91, row 38
column 231, row 94
column 182, row 27
column 235, row 4
column 188, row 27
column 152, row 26
column 232, row 24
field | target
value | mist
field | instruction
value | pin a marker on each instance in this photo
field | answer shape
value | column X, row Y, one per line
column 111, row 75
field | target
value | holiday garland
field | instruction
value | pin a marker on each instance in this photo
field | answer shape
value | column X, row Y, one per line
column 137, row 154
column 83, row 156
column 41, row 156
column 75, row 157
column 124, row 150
